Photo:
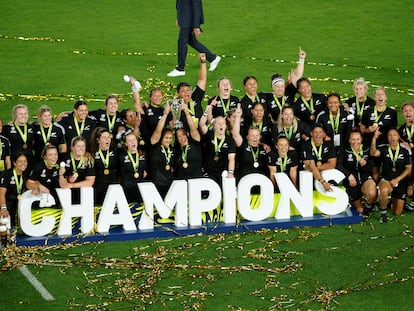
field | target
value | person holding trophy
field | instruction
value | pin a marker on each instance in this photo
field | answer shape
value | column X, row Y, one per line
column 161, row 156
column 194, row 98
column 188, row 149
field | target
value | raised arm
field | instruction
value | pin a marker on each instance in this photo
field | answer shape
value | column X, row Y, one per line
column 202, row 124
column 235, row 131
column 202, row 75
column 195, row 134
column 156, row 135
column 297, row 73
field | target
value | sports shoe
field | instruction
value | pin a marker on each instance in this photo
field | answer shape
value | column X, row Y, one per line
column 409, row 206
column 176, row 73
column 384, row 219
column 214, row 63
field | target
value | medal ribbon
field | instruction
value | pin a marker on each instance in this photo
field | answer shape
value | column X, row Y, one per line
column 135, row 163
column 334, row 121
column 358, row 154
column 317, row 150
column 167, row 154
column 255, row 154
column 258, row 126
column 410, row 132
column 23, row 134
column 19, row 183
column 278, row 102
column 74, row 166
column 225, row 107
column 105, row 160
column 218, row 147
column 308, row 106
column 288, row 134
column 254, row 99
column 360, row 110
column 283, row 163
column 44, row 136
column 111, row 123
column 377, row 117
column 184, row 153
column 395, row 156
column 191, row 107
column 78, row 131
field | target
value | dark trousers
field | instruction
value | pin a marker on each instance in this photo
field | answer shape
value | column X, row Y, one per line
column 187, row 37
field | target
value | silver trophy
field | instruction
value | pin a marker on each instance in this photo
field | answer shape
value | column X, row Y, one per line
column 176, row 112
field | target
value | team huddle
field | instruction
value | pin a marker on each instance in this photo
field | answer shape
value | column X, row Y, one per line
column 286, row 130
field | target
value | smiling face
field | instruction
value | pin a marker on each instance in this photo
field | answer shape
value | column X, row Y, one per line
column 81, row 112
column 166, row 139
column 360, row 91
column 156, row 97
column 20, row 164
column 279, row 89
column 318, row 135
column 282, row 146
column 51, row 156
column 112, row 105
column 251, row 87
column 185, row 93
column 333, row 104
column 355, row 140
column 287, row 116
column 21, row 116
column 305, row 89
column 46, row 118
column 182, row 137
column 78, row 149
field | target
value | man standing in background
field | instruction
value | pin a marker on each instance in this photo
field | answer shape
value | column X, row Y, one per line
column 189, row 18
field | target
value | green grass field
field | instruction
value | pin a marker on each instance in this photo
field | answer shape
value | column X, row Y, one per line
column 54, row 52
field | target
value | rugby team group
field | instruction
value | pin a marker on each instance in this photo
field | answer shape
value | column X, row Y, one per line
column 286, row 130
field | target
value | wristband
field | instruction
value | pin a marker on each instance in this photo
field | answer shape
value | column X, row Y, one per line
column 301, row 60
column 205, row 113
column 203, row 61
column 230, row 172
column 3, row 207
column 136, row 87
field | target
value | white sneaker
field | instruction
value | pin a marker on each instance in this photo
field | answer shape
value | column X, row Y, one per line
column 214, row 63
column 176, row 73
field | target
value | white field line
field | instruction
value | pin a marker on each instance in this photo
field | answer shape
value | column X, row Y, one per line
column 36, row 283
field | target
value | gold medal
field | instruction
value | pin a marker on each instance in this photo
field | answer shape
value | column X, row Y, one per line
column 136, row 175
column 141, row 142
column 216, row 157
column 106, row 171
column 111, row 135
column 312, row 117
column 394, row 169
column 319, row 163
column 19, row 196
column 75, row 175
column 185, row 164
column 167, row 167
column 375, row 124
column 411, row 145
column 24, row 146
